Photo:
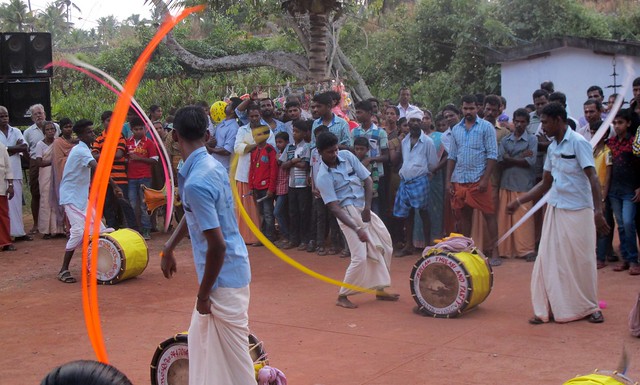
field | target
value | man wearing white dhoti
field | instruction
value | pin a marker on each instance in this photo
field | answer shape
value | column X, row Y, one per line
column 219, row 331
column 340, row 181
column 564, row 282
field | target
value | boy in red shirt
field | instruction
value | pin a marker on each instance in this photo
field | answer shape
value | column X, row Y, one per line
column 142, row 156
column 263, row 175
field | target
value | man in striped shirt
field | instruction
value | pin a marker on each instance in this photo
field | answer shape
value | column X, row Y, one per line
column 472, row 158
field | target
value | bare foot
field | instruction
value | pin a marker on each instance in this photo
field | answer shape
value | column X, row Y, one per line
column 344, row 302
column 382, row 295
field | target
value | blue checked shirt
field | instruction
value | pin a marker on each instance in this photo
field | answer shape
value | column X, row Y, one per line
column 378, row 141
column 471, row 149
column 338, row 127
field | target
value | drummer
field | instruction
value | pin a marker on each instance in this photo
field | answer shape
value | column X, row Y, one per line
column 74, row 191
column 340, row 182
column 218, row 351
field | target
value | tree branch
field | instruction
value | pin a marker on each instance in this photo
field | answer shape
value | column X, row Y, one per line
column 293, row 64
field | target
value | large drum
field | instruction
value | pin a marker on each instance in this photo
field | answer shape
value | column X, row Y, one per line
column 170, row 363
column 445, row 285
column 603, row 377
column 122, row 254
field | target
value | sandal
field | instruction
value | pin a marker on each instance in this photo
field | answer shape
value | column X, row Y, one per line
column 332, row 251
column 322, row 251
column 536, row 321
column 65, row 276
column 9, row 248
column 46, row 236
column 596, row 317
column 345, row 253
column 601, row 265
column 24, row 238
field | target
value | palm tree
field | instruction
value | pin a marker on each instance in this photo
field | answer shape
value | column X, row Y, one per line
column 15, row 16
column 318, row 12
column 107, row 28
column 53, row 20
column 66, row 5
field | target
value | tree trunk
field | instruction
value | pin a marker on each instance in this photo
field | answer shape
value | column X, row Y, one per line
column 317, row 46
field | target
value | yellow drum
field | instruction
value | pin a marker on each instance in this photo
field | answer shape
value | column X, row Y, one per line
column 170, row 362
column 122, row 254
column 444, row 285
column 602, row 378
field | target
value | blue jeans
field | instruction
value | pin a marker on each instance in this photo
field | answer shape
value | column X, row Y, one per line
column 136, row 198
column 281, row 212
column 625, row 212
column 265, row 206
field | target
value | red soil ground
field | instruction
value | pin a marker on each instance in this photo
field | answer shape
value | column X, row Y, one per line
column 306, row 336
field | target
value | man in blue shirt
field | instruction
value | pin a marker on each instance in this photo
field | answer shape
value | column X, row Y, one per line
column 321, row 111
column 340, row 182
column 221, row 144
column 564, row 281
column 219, row 331
column 473, row 152
column 74, row 191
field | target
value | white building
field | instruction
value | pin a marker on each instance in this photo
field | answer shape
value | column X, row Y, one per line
column 573, row 64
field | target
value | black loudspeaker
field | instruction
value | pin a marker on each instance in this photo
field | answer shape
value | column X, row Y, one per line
column 19, row 95
column 25, row 54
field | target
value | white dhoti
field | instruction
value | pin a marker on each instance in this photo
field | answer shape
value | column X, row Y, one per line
column 77, row 219
column 219, row 342
column 15, row 210
column 564, row 282
column 371, row 261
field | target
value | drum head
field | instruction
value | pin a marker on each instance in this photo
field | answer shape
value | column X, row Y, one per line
column 170, row 363
column 109, row 260
column 440, row 286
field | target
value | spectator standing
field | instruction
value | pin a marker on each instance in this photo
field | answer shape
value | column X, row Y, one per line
column 263, row 174
column 281, row 210
column 221, row 144
column 6, row 193
column 48, row 224
column 61, row 148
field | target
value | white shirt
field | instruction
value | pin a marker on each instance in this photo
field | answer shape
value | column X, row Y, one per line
column 13, row 136
column 403, row 112
column 585, row 131
column 244, row 137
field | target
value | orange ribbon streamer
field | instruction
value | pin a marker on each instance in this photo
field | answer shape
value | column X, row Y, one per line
column 100, row 182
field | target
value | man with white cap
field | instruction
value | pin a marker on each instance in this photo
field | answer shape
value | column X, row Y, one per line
column 419, row 158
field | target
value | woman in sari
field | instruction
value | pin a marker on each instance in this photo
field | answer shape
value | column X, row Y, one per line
column 47, row 219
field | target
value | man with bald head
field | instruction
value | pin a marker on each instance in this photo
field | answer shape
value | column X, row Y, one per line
column 32, row 136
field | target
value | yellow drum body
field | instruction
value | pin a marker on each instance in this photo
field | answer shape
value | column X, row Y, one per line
column 170, row 362
column 602, row 378
column 122, row 254
column 445, row 285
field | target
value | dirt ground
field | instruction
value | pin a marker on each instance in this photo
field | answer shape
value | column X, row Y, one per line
column 306, row 336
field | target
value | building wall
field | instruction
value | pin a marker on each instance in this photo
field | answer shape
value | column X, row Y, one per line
column 572, row 71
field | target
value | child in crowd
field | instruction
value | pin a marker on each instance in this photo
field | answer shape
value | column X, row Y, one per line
column 361, row 149
column 263, row 173
column 142, row 156
column 281, row 211
column 295, row 158
column 321, row 213
column 624, row 181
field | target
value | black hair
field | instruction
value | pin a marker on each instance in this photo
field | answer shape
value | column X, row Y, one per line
column 48, row 122
column 595, row 88
column 594, row 102
column 503, row 100
column 555, row 110
column 373, row 100
column 65, row 121
column 191, row 123
column 636, row 82
column 320, row 129
column 558, row 97
column 136, row 122
column 323, row 98
column 469, row 99
column 402, row 120
column 326, row 140
column 288, row 105
column 493, row 100
column 265, row 99
column 81, row 125
column 364, row 105
column 253, row 107
column 202, row 104
column 403, row 88
column 105, row 115
column 623, row 114
column 547, row 86
column 452, row 108
column 335, row 96
column 303, row 125
column 235, row 102
column 479, row 98
column 283, row 135
column 154, row 108
column 395, row 108
column 540, row 93
column 361, row 141
column 521, row 112
column 530, row 107
column 84, row 372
